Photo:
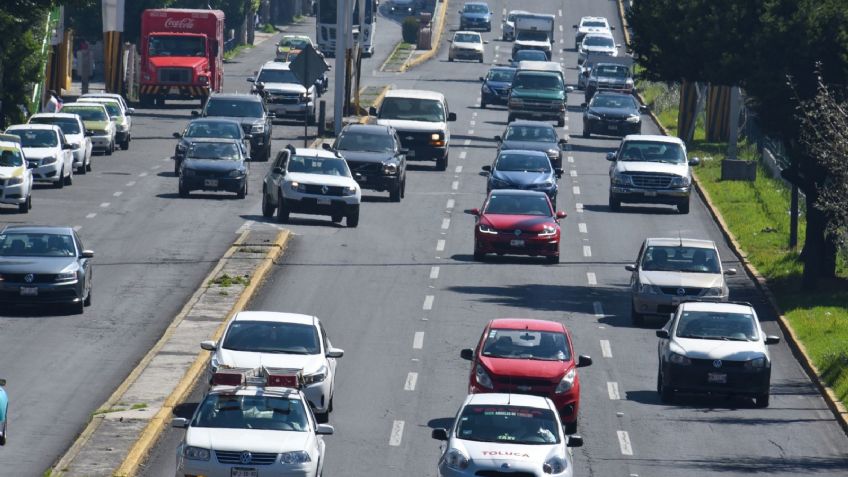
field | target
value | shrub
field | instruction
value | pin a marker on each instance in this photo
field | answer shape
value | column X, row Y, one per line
column 410, row 30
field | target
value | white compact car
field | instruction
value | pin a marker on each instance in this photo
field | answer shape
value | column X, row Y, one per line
column 49, row 156
column 600, row 43
column 466, row 45
column 74, row 130
column 252, row 423
column 15, row 176
column 506, row 434
column 281, row 340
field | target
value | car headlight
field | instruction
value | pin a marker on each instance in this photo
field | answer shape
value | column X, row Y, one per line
column 195, row 453
column 483, row 228
column 350, row 190
column 123, row 126
column 548, row 231
column 66, row 277
column 567, row 382
column 297, row 186
column 554, row 465
column 437, row 139
column 456, row 459
column 681, row 181
column 482, row 377
column 486, row 89
column 48, row 160
column 236, row 173
column 649, row 289
column 295, row 457
column 679, row 359
column 14, row 181
column 500, row 184
column 258, row 128
column 714, row 291
column 620, row 179
column 316, row 377
column 553, row 152
column 390, row 168
column 757, row 363
column 592, row 116
column 189, row 172
column 634, row 118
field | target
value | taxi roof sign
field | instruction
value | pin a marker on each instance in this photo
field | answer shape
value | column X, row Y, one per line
column 284, row 377
column 10, row 138
column 261, row 377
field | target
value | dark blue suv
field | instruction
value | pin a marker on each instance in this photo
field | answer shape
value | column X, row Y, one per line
column 475, row 16
column 496, row 85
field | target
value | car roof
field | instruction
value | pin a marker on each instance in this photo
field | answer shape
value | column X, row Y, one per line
column 55, row 115
column 654, row 138
column 527, row 400
column 583, row 19
column 97, row 99
column 276, row 65
column 526, row 324
column 477, row 3
column 415, row 93
column 714, row 306
column 251, row 390
column 368, row 128
column 530, row 123
column 228, row 140
column 523, row 152
column 39, row 229
column 468, row 32
column 533, row 193
column 237, row 97
column 275, row 316
column 613, row 93
column 679, row 242
column 599, row 33
column 502, row 68
column 311, row 152
column 90, row 104
column 25, row 126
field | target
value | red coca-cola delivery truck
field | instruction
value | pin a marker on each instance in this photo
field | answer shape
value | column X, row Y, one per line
column 182, row 54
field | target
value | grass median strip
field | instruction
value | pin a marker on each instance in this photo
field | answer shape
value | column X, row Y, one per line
column 398, row 58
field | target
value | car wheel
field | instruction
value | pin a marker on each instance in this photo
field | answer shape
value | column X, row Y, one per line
column 88, row 166
column 267, row 154
column 586, row 133
column 450, row 58
column 353, row 217
column 77, row 308
column 560, row 122
column 177, row 168
column 442, row 162
column 5, row 430
column 282, row 211
column 183, row 190
column 571, row 427
column 81, row 169
column 110, row 149
column 243, row 192
column 505, row 37
column 336, row 218
column 267, row 208
column 614, row 204
column 683, row 207
column 637, row 318
column 61, row 182
column 761, row 400
column 26, row 206
column 125, row 144
column 403, row 188
column 395, row 193
column 480, row 59
column 70, row 179
column 552, row 259
column 322, row 417
column 482, row 103
column 666, row 392
column 478, row 255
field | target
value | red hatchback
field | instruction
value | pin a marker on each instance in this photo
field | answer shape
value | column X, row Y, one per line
column 517, row 222
column 529, row 357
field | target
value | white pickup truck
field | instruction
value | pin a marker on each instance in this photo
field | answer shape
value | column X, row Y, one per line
column 534, row 31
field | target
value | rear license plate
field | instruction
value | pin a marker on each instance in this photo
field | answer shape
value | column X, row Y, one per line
column 210, row 182
column 650, row 193
column 516, row 243
column 324, row 202
column 717, row 378
column 242, row 472
column 29, row 291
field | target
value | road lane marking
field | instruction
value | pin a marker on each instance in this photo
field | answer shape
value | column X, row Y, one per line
column 587, row 251
column 440, row 246
column 470, row 132
column 105, row 204
column 397, row 433
column 434, row 273
column 503, row 12
column 77, row 228
column 428, row 304
column 418, row 340
column 130, row 183
column 560, row 27
column 143, row 174
column 590, row 277
column 575, row 190
column 445, row 224
column 565, row 128
column 612, row 390
column 573, row 172
column 579, row 207
column 411, row 380
column 467, row 142
column 118, row 194
column 582, row 228
column 560, row 13
column 599, row 309
column 472, row 123
column 606, row 350
column 455, row 185
column 571, row 159
column 624, row 443
column 156, row 167
column 91, row 215
column 450, row 204
column 458, row 169
column 462, row 155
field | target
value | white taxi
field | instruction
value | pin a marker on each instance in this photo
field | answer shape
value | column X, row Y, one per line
column 75, row 133
column 506, row 434
column 281, row 340
column 15, row 177
column 49, row 155
column 252, row 423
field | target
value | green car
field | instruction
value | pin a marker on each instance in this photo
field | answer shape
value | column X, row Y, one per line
column 538, row 95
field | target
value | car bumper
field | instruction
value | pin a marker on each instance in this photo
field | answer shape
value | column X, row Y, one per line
column 547, row 111
column 509, row 244
column 48, row 173
column 466, row 54
column 213, row 468
column 664, row 304
column 282, row 109
column 378, row 182
column 424, row 153
column 568, row 403
column 226, row 184
column 12, row 194
column 122, row 136
column 321, row 205
column 101, row 143
column 515, row 467
column 611, row 127
column 40, row 293
column 318, row 395
column 700, row 378
column 475, row 25
column 650, row 196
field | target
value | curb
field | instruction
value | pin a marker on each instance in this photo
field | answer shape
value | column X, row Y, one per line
column 436, row 41
column 795, row 345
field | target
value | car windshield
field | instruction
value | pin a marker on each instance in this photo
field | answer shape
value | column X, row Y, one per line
column 272, row 337
column 213, row 130
column 604, row 41
column 36, row 137
column 508, row 424
column 518, row 162
column 21, row 244
column 538, row 81
column 713, row 325
column 67, row 125
column 467, row 38
column 515, row 204
column 531, row 35
column 319, row 165
column 270, row 413
column 647, row 151
column 502, row 76
column 530, row 133
column 681, row 259
column 294, row 42
column 113, row 107
column 594, row 24
column 176, row 45
column 530, row 55
column 356, row 141
column 277, row 76
column 234, row 108
column 523, row 344
column 224, row 151
column 611, row 71
column 475, row 8
column 609, row 101
column 412, row 109
column 87, row 113
column 10, row 157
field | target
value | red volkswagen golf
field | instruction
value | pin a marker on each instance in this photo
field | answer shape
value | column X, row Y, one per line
column 526, row 356
column 517, row 222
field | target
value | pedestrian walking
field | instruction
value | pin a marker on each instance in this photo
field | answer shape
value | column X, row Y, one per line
column 53, row 103
column 85, row 63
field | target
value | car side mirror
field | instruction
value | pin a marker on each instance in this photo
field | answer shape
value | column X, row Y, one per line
column 439, row 434
column 31, row 165
column 208, row 345
column 335, row 353
column 467, row 354
column 694, row 161
column 250, row 80
column 272, row 115
column 130, row 111
column 574, row 26
column 179, row 423
column 485, row 42
column 611, row 156
column 584, row 105
column 403, row 151
column 327, row 146
column 451, row 116
column 644, row 109
column 611, row 28
column 770, row 340
column 357, row 176
column 372, row 111
column 574, row 441
column 482, row 79
column 730, row 271
column 277, row 170
column 325, row 430
column 583, row 361
column 87, row 254
column 487, row 168
column 68, row 146
column 561, row 214
column 2, row 382
column 558, row 172
column 630, row 268
column 248, row 136
column 177, row 135
column 195, row 114
column 450, row 41
column 618, row 45
column 475, row 211
column 498, row 139
column 662, row 334
column 89, row 132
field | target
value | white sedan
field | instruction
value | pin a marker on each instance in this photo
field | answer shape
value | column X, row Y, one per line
column 495, row 433
column 466, row 45
column 48, row 154
column 74, row 130
column 281, row 340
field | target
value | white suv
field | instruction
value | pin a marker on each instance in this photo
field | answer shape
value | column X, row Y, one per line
column 48, row 153
column 74, row 130
column 311, row 181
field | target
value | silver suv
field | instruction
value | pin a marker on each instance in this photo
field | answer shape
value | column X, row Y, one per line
column 651, row 169
column 669, row 271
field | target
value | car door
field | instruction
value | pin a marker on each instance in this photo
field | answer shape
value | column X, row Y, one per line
column 85, row 264
column 274, row 178
column 331, row 362
column 400, row 155
column 637, row 265
column 66, row 154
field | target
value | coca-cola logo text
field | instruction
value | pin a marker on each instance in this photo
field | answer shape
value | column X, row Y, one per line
column 181, row 24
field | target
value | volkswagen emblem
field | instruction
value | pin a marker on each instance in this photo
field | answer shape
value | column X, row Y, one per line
column 324, row 189
column 29, row 277
column 505, row 465
column 681, row 291
column 517, row 232
column 246, row 457
column 409, row 138
column 717, row 363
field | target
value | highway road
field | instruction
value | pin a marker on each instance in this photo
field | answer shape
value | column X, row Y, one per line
column 152, row 251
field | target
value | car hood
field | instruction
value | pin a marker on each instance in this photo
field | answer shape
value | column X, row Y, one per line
column 39, row 265
column 587, row 30
column 211, row 165
column 468, row 45
column 529, row 146
column 529, row 368
column 273, row 442
column 613, row 112
column 681, row 279
column 652, row 167
column 320, row 179
column 97, row 125
column 529, row 223
column 493, row 455
column 366, row 156
column 181, row 61
column 246, row 123
column 284, row 88
column 309, row 363
column 406, row 125
column 522, row 178
column 37, row 152
column 9, row 172
column 718, row 349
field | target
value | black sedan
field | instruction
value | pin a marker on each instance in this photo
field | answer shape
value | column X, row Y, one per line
column 375, row 157
column 44, row 265
column 206, row 128
column 533, row 136
column 214, row 165
column 612, row 114
column 524, row 170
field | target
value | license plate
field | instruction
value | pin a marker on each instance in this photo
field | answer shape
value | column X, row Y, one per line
column 524, row 388
column 650, row 193
column 516, row 243
column 324, row 202
column 29, row 291
column 717, row 378
column 210, row 182
column 242, row 472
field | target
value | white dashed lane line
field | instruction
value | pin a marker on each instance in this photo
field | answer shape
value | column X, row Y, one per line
column 428, row 302
column 463, row 154
column 606, row 350
column 411, row 380
column 591, row 279
column 570, row 159
column 575, row 190
column 105, row 204
column 455, row 185
column 612, row 390
column 470, row 132
column 440, row 246
column 579, row 207
column 434, row 273
column 118, row 194
column 467, row 142
column 130, row 183
column 143, row 174
column 573, row 172
column 77, row 228
column 587, row 251
column 559, row 12
column 458, row 169
column 582, row 228
column 450, row 204
column 91, row 215
column 472, row 123
column 397, row 433
column 445, row 224
column 418, row 340
column 156, row 167
column 624, row 443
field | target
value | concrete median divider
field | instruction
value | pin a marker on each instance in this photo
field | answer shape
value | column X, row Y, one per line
column 121, row 433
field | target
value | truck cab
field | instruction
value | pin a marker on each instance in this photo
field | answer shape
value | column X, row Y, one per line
column 534, row 31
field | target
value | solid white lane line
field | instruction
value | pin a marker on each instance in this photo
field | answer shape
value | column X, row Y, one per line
column 570, row 158
column 458, row 169
column 590, row 277
column 579, row 207
column 445, row 224
column 397, row 433
column 104, row 204
column 587, row 251
column 411, row 380
column 143, row 174
column 450, row 204
column 462, row 155
column 418, row 340
column 428, row 302
column 455, row 185
column 599, row 309
column 440, row 246
column 130, row 183
column 434, row 273
column 91, row 215
column 118, row 194
column 612, row 390
column 576, row 190
column 582, row 228
column 606, row 350
column 573, row 172
column 467, row 142
column 77, row 228
column 624, row 443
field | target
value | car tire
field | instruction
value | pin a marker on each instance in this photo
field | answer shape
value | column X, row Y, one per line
column 243, row 192
column 61, row 182
column 183, row 191
column 26, row 206
column 70, row 179
column 571, row 427
column 586, row 133
column 77, row 308
column 177, row 168
column 81, row 170
column 450, row 58
column 666, row 392
column 482, row 103
column 560, row 122
column 125, row 145
column 683, row 207
column 310, row 120
column 395, row 194
column 442, row 162
column 322, row 417
column 282, row 211
column 353, row 217
column 478, row 255
column 510, row 118
column 637, row 318
column 87, row 301
column 552, row 259
column 614, row 204
column 403, row 187
column 110, row 149
column 505, row 37
column 88, row 165
column 761, row 400
column 480, row 59
column 267, row 208
column 336, row 219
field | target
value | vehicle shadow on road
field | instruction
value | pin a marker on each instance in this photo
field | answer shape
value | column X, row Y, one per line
column 37, row 311
column 376, row 198
column 198, row 195
column 293, row 220
column 185, row 116
column 587, row 148
column 185, row 409
column 633, row 209
column 423, row 166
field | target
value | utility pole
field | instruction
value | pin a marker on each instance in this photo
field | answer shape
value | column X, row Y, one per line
column 733, row 123
column 344, row 14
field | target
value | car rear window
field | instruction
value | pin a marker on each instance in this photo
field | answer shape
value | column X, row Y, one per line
column 681, row 259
